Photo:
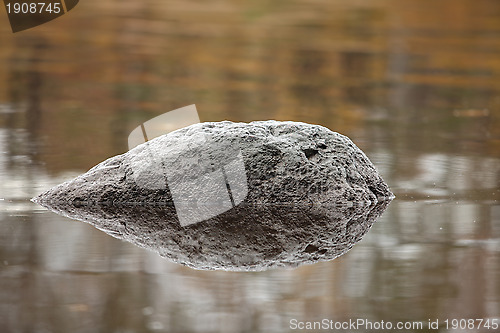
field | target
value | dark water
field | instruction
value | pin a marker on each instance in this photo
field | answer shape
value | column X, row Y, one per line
column 415, row 84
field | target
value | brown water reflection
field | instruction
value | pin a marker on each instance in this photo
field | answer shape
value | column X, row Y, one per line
column 416, row 84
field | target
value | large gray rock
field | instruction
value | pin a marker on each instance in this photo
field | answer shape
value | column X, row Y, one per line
column 196, row 177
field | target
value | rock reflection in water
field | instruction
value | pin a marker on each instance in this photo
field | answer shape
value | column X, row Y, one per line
column 245, row 238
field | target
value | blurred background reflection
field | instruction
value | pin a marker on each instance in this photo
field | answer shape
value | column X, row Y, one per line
column 415, row 84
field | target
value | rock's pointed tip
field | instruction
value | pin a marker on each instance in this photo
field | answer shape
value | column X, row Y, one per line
column 40, row 200
column 36, row 199
column 389, row 197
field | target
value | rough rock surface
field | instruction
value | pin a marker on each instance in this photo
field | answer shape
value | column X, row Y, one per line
column 285, row 162
column 263, row 165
